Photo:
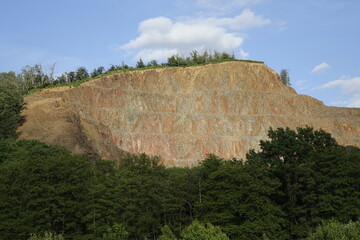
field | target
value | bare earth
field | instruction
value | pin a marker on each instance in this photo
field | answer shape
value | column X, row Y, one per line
column 179, row 114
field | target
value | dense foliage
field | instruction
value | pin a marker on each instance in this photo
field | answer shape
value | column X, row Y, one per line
column 319, row 179
column 11, row 104
column 195, row 230
column 334, row 230
column 42, row 188
column 46, row 236
column 295, row 182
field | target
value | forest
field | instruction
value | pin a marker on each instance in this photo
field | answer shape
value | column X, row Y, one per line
column 298, row 180
column 300, row 184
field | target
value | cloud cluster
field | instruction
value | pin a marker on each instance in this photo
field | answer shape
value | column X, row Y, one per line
column 162, row 37
column 320, row 68
column 349, row 86
column 247, row 19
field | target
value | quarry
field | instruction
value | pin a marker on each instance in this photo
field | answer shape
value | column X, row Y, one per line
column 180, row 114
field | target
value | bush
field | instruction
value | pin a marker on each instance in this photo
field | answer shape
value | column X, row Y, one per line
column 46, row 236
column 195, row 231
column 334, row 230
column 116, row 232
column 11, row 104
column 200, row 232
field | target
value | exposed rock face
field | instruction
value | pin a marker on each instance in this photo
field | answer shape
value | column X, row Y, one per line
column 180, row 114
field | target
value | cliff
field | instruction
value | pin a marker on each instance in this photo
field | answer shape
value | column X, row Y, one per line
column 179, row 114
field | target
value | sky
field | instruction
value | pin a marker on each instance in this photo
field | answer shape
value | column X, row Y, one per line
column 317, row 41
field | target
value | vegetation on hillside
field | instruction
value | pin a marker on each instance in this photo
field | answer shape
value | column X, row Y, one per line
column 37, row 77
column 284, row 77
column 11, row 104
column 14, row 86
column 335, row 230
column 300, row 185
column 195, row 230
column 286, row 190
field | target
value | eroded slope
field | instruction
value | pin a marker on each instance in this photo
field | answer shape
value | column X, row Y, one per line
column 180, row 114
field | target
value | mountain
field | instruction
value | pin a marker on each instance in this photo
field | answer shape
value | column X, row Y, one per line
column 179, row 114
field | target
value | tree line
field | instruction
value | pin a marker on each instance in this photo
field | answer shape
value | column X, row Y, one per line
column 286, row 190
column 38, row 76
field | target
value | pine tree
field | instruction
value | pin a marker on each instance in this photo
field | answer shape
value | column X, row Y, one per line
column 284, row 76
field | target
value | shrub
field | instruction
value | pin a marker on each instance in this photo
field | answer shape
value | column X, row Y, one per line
column 46, row 236
column 334, row 230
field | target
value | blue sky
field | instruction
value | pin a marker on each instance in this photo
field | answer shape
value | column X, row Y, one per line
column 316, row 40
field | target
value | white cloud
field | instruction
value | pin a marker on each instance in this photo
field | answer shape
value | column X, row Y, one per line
column 320, row 68
column 349, row 86
column 156, row 54
column 162, row 37
column 243, row 54
column 247, row 19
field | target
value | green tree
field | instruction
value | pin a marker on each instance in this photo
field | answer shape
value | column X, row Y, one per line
column 284, row 77
column 61, row 79
column 237, row 197
column 195, row 230
column 116, row 232
column 99, row 209
column 140, row 64
column 198, row 231
column 11, row 104
column 227, row 56
column 97, row 71
column 81, row 73
column 35, row 76
column 313, row 172
column 194, row 57
column 350, row 176
column 176, row 60
column 112, row 68
column 206, row 57
column 46, row 236
column 334, row 230
column 138, row 193
column 167, row 234
column 43, row 188
column 153, row 62
column 180, row 197
column 124, row 66
column 28, row 75
column 70, row 76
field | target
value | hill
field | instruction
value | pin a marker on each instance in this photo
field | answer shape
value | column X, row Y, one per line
column 179, row 114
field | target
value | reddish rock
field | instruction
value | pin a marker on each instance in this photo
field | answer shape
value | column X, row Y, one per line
column 179, row 114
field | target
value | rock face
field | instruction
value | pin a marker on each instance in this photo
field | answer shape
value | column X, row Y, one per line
column 179, row 114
